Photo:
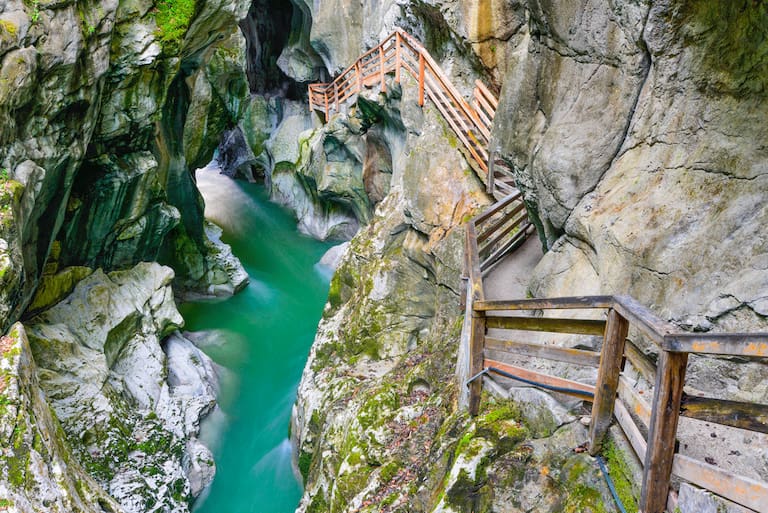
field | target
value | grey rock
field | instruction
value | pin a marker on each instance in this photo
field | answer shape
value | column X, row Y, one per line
column 126, row 404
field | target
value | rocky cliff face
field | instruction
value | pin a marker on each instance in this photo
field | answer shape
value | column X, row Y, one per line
column 633, row 129
column 100, row 415
column 94, row 108
column 105, row 109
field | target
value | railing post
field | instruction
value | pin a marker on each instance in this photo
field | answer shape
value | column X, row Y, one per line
column 616, row 330
column 491, row 164
column 397, row 57
column 327, row 110
column 311, row 103
column 665, row 412
column 381, row 69
column 359, row 72
column 336, row 96
column 477, row 325
column 421, row 78
column 476, row 357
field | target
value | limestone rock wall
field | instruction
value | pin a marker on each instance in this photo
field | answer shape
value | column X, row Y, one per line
column 38, row 471
column 99, row 412
column 94, row 104
column 635, row 129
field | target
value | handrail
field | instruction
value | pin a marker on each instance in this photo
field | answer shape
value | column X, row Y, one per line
column 612, row 394
column 402, row 52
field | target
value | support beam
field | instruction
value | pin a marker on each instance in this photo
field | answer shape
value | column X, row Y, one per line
column 665, row 409
column 616, row 330
column 421, row 79
column 397, row 57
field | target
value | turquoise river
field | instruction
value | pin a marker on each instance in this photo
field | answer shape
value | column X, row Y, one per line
column 261, row 338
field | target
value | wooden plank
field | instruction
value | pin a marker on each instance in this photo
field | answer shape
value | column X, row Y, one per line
column 641, row 361
column 557, row 353
column 481, row 112
column 641, row 317
column 476, row 350
column 397, row 57
column 548, row 324
column 359, row 74
column 498, row 223
column 737, row 344
column 519, row 222
column 381, row 69
column 484, row 112
column 565, row 386
column 496, row 207
column 631, row 430
column 741, row 490
column 751, row 416
column 488, row 94
column 491, row 173
column 634, row 401
column 421, row 79
column 574, row 302
column 665, row 412
column 616, row 329
column 475, row 275
column 336, row 92
column 512, row 244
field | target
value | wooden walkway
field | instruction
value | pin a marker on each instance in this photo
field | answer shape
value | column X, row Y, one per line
column 471, row 120
column 613, row 397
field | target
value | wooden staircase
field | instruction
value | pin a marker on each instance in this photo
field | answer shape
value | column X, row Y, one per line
column 471, row 121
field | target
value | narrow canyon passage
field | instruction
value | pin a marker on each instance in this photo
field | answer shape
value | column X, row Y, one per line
column 261, row 336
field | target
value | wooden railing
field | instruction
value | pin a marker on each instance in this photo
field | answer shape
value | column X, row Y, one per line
column 613, row 395
column 402, row 52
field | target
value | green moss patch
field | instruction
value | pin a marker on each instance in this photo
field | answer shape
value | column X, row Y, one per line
column 621, row 474
column 173, row 18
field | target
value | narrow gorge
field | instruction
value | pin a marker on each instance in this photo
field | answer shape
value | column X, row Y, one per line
column 237, row 264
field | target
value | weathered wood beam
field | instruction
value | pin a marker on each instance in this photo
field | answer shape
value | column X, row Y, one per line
column 643, row 318
column 644, row 365
column 548, row 324
column 737, row 344
column 564, row 386
column 556, row 353
column 564, row 303
column 616, row 329
column 751, row 416
column 665, row 409
column 742, row 490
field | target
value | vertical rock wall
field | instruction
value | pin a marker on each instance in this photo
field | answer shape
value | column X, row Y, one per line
column 635, row 130
column 93, row 104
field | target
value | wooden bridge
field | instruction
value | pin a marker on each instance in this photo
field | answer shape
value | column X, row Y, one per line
column 503, row 227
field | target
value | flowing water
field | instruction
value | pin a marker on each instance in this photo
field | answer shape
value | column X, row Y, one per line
column 261, row 337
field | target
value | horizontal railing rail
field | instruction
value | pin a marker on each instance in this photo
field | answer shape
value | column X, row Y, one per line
column 613, row 396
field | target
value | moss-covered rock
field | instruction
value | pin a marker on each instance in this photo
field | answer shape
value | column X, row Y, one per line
column 129, row 407
column 38, row 469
